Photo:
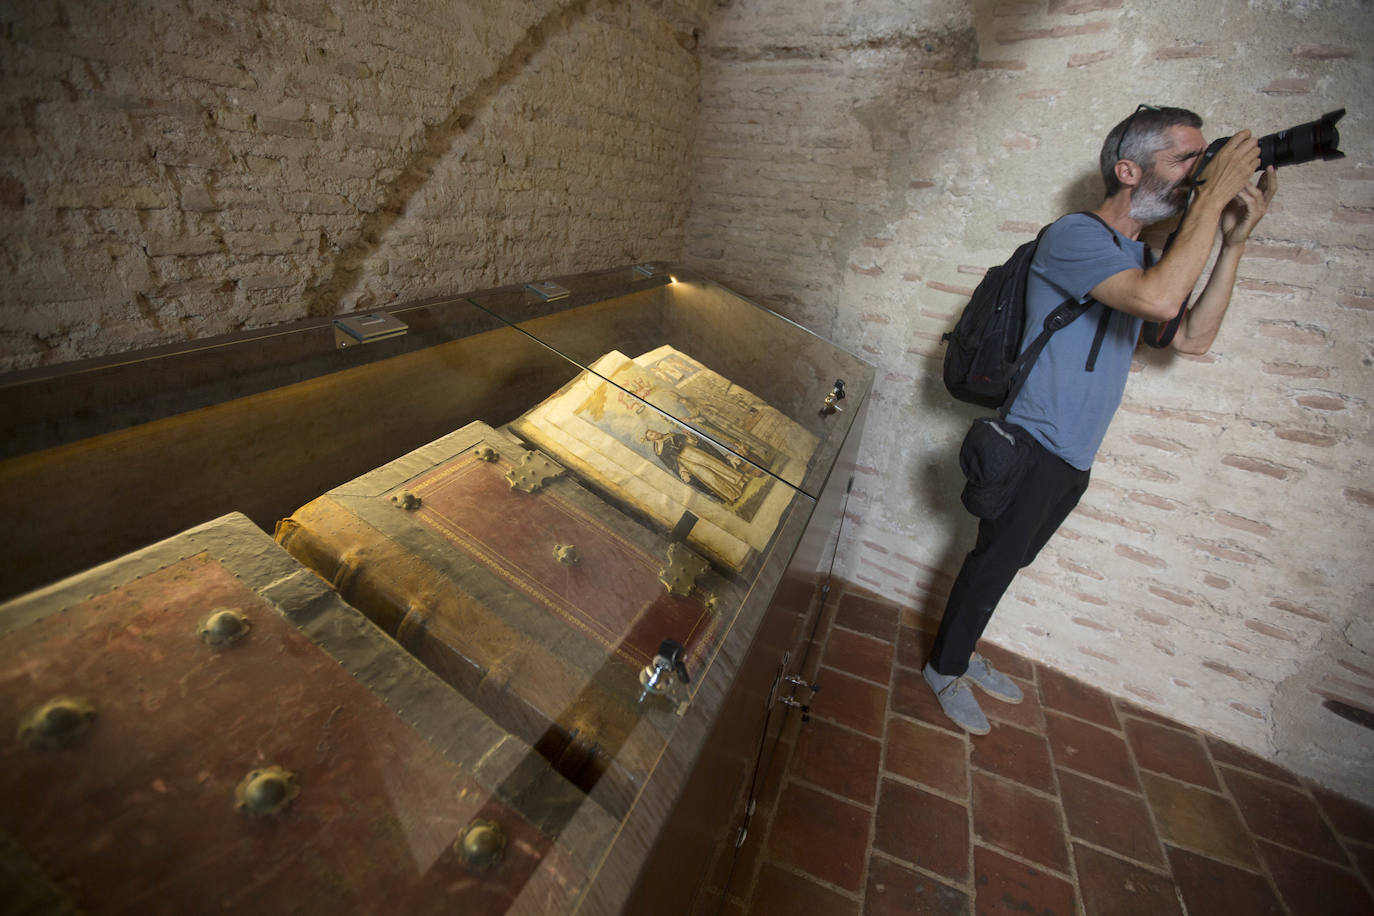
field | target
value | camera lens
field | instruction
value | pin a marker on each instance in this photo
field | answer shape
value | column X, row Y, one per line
column 1317, row 139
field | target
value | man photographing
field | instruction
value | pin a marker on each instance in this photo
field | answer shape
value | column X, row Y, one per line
column 1075, row 385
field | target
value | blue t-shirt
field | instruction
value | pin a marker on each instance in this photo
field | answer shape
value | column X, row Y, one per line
column 1066, row 408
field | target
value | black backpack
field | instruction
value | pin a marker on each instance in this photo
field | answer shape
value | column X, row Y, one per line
column 983, row 363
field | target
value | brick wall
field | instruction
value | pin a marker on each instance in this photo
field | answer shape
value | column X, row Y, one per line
column 173, row 170
column 858, row 168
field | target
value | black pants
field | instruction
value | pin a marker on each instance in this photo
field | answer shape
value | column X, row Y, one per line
column 1048, row 493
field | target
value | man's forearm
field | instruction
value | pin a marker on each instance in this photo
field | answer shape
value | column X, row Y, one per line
column 1170, row 282
column 1202, row 321
column 1156, row 293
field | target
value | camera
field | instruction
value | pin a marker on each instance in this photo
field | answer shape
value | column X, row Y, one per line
column 1317, row 139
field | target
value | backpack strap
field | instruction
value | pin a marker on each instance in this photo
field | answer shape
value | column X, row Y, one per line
column 1063, row 315
column 1105, row 321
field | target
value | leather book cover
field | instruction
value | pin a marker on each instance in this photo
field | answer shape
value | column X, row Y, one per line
column 536, row 599
column 204, row 725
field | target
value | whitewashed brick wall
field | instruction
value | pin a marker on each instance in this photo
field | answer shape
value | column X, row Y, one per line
column 174, row 170
column 859, row 166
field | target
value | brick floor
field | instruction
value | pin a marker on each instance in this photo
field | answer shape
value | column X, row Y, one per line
column 1076, row 803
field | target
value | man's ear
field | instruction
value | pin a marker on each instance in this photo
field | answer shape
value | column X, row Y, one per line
column 1128, row 173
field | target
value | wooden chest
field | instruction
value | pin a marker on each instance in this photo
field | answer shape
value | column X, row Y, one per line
column 537, row 600
column 204, row 726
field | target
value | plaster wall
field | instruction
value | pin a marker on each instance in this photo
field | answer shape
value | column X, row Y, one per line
column 175, row 170
column 860, row 165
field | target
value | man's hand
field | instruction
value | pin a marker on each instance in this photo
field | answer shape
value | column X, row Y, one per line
column 1247, row 208
column 1230, row 170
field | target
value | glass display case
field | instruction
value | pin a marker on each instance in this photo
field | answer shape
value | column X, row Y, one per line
column 585, row 520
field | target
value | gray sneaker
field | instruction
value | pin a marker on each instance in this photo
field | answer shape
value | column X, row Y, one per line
column 957, row 700
column 993, row 681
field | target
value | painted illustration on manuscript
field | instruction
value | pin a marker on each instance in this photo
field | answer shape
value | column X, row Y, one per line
column 669, row 436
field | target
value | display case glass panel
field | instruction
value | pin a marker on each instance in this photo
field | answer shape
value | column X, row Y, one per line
column 572, row 501
column 764, row 357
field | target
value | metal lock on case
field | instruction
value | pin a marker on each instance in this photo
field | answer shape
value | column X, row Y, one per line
column 667, row 667
column 831, row 403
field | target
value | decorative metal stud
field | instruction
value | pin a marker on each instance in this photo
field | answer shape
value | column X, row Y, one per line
column 224, row 627
column 481, row 846
column 535, row 470
column 684, row 566
column 60, row 723
column 567, row 554
column 266, row 791
column 405, row 500
column 486, row 453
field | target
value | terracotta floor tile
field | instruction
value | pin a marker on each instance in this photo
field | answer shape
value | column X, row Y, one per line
column 1091, row 750
column 782, row 893
column 1284, row 814
column 1199, row 820
column 1005, row 887
column 1015, row 754
column 1012, row 818
column 850, row 701
column 1311, row 887
column 1114, row 887
column 859, row 655
column 1172, row 752
column 923, row 829
column 1223, row 752
column 868, row 615
column 1027, row 714
column 1109, row 817
column 912, row 696
column 919, row 618
column 820, row 835
column 1007, row 662
column 897, row 891
column 1209, row 886
column 928, row 755
column 1140, row 712
column 838, row 760
column 1064, row 694
column 774, row 777
column 1350, row 818
column 913, row 646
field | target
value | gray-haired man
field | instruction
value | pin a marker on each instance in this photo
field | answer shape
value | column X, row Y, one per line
column 1146, row 162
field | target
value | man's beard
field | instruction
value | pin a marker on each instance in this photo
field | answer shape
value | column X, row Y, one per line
column 1155, row 199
